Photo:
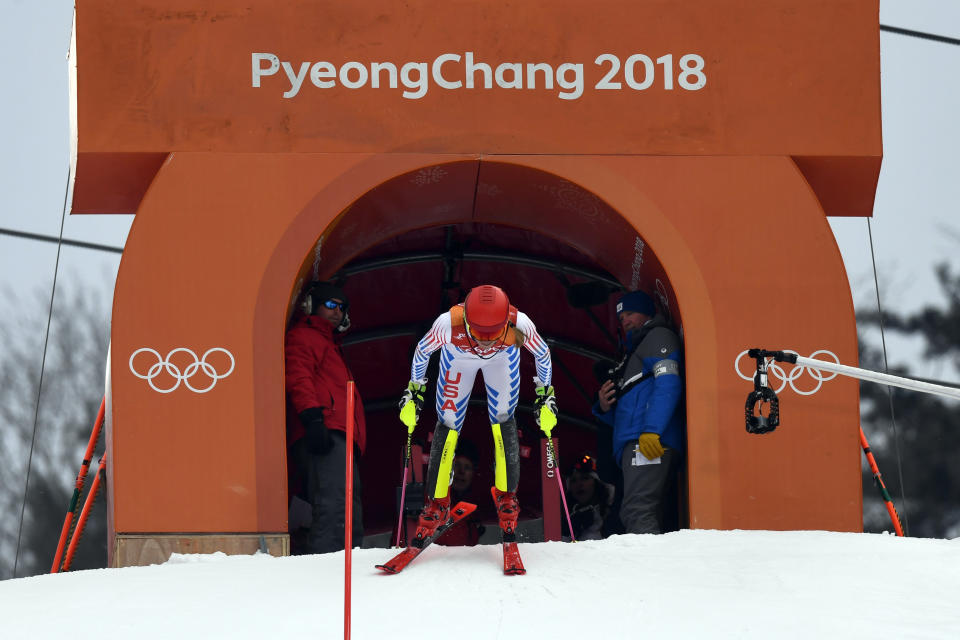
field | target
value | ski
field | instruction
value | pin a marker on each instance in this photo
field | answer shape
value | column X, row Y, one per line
column 512, row 564
column 457, row 514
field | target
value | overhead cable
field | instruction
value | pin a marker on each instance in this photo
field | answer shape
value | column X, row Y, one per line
column 70, row 243
column 920, row 34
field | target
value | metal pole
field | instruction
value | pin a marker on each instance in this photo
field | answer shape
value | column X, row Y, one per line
column 880, row 378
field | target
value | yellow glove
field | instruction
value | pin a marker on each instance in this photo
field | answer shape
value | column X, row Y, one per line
column 411, row 402
column 545, row 408
column 649, row 445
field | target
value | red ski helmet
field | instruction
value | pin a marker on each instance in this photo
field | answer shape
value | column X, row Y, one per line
column 486, row 311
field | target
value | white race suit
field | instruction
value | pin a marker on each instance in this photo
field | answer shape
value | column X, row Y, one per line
column 459, row 365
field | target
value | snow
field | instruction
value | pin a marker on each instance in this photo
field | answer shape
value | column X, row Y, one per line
column 688, row 584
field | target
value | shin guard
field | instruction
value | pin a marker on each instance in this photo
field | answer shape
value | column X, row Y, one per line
column 440, row 469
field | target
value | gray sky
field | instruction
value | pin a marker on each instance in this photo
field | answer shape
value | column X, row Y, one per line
column 915, row 221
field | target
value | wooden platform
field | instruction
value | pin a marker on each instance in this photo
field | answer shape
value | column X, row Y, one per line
column 138, row 550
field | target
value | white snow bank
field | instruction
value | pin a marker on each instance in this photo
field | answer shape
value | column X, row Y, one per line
column 689, row 584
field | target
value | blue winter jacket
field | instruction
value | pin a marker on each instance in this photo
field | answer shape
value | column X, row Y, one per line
column 653, row 405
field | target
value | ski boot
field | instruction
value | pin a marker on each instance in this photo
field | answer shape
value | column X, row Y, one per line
column 435, row 513
column 508, row 510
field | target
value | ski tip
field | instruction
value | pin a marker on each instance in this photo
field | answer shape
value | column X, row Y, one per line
column 386, row 569
column 515, row 571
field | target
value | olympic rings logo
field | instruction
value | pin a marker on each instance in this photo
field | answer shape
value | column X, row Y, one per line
column 189, row 371
column 775, row 371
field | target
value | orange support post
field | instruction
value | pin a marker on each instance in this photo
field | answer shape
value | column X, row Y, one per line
column 78, row 487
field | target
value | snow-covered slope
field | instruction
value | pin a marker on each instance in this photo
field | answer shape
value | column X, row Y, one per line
column 690, row 584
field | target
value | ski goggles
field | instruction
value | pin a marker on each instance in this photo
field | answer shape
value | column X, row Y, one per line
column 485, row 336
column 333, row 304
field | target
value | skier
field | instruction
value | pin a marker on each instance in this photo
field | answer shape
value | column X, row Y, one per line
column 484, row 333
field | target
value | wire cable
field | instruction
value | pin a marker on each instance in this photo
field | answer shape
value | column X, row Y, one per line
column 61, row 240
column 43, row 361
column 886, row 369
column 920, row 34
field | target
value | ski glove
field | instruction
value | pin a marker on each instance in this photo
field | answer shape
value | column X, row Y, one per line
column 545, row 408
column 411, row 402
column 649, row 445
column 317, row 439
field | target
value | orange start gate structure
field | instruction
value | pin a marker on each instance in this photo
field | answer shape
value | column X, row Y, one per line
column 691, row 148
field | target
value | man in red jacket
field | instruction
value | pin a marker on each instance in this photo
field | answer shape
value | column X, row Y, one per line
column 316, row 383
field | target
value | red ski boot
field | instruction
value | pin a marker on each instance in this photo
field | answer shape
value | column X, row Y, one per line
column 435, row 513
column 508, row 510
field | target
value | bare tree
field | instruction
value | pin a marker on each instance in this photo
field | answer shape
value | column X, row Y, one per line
column 42, row 450
column 927, row 445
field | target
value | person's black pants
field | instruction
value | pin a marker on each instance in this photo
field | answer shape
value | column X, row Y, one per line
column 325, row 477
column 645, row 486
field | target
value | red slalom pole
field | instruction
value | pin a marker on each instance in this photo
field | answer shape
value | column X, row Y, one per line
column 78, row 487
column 85, row 513
column 884, row 494
column 348, row 525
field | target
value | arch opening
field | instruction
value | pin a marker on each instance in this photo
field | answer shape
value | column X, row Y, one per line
column 410, row 248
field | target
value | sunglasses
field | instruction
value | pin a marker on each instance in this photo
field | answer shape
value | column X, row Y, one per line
column 333, row 304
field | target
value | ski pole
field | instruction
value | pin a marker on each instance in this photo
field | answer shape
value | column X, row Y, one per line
column 884, row 495
column 85, row 512
column 78, row 487
column 403, row 485
column 563, row 498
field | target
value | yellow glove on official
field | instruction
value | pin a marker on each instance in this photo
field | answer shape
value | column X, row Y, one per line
column 411, row 402
column 649, row 445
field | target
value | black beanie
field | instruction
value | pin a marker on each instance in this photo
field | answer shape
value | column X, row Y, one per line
column 637, row 301
column 320, row 292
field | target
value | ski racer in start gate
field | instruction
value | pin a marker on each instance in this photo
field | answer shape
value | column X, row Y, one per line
column 484, row 333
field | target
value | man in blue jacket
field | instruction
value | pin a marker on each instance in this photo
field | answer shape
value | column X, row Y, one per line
column 642, row 402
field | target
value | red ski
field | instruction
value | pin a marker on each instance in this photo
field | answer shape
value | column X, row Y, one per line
column 512, row 564
column 457, row 514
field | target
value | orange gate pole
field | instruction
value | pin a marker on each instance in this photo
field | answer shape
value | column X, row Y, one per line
column 85, row 513
column 78, row 487
column 884, row 495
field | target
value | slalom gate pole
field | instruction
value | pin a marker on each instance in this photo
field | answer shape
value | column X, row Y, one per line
column 884, row 494
column 348, row 525
column 85, row 513
column 403, row 486
column 78, row 487
column 563, row 497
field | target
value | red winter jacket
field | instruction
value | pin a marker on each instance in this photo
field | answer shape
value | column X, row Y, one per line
column 316, row 376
